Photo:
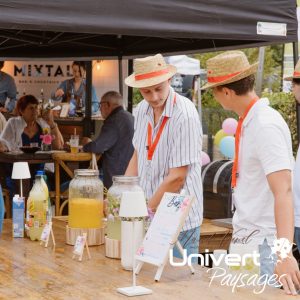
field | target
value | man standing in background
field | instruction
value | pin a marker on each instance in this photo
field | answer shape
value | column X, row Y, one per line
column 296, row 186
column 114, row 142
column 8, row 91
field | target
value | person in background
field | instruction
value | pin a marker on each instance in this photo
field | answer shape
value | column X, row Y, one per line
column 77, row 86
column 295, row 78
column 168, row 143
column 114, row 142
column 2, row 122
column 27, row 127
column 261, row 173
column 8, row 91
column 26, row 130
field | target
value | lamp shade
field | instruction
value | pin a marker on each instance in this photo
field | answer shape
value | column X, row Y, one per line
column 133, row 205
column 20, row 170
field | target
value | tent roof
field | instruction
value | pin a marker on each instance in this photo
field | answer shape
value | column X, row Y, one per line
column 110, row 28
column 185, row 65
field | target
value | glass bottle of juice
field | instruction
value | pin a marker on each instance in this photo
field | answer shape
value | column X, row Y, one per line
column 37, row 208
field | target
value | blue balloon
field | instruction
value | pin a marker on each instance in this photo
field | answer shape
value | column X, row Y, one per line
column 227, row 146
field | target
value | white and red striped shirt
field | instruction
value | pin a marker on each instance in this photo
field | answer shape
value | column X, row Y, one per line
column 180, row 145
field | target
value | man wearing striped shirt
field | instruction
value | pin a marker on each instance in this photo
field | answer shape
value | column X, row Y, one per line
column 167, row 142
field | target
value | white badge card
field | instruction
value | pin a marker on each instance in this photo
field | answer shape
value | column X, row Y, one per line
column 45, row 236
column 81, row 242
column 79, row 245
column 46, row 233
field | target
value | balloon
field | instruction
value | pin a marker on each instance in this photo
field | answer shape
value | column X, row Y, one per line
column 227, row 146
column 205, row 158
column 229, row 126
column 219, row 135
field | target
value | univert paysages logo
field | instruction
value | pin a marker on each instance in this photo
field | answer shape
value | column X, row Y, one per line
column 235, row 270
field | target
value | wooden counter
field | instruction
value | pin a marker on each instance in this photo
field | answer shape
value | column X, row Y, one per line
column 30, row 271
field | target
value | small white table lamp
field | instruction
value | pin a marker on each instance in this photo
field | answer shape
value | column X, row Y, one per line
column 133, row 205
column 20, row 171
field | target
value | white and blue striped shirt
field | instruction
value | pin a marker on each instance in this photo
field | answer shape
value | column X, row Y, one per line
column 180, row 145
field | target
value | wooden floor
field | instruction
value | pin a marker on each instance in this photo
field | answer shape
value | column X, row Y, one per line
column 30, row 271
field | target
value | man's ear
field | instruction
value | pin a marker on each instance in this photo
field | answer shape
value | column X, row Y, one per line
column 229, row 92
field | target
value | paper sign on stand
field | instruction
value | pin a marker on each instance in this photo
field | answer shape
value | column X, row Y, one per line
column 81, row 242
column 163, row 232
column 45, row 236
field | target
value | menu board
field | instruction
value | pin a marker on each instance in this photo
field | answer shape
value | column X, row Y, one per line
column 164, row 228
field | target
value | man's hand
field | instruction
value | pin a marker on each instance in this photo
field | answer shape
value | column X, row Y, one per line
column 289, row 270
column 3, row 109
column 172, row 183
column 85, row 140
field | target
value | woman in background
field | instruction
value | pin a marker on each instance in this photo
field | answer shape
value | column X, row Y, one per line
column 26, row 130
column 77, row 86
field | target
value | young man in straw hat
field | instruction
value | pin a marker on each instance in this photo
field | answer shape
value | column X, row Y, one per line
column 296, row 186
column 261, row 175
column 167, row 142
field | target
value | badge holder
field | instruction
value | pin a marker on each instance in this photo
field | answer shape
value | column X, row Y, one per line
column 80, row 244
column 45, row 236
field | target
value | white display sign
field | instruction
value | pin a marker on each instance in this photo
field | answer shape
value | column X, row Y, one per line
column 164, row 228
column 268, row 28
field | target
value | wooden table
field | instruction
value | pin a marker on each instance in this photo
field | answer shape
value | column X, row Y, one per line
column 30, row 271
column 31, row 158
column 213, row 237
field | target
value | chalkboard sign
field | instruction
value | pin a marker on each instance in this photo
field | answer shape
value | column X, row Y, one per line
column 164, row 229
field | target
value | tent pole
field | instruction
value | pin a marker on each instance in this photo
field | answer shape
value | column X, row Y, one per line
column 120, row 75
column 260, row 70
column 130, row 89
column 296, row 56
column 87, row 128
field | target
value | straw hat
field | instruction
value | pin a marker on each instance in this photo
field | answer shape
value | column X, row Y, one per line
column 150, row 71
column 228, row 67
column 296, row 73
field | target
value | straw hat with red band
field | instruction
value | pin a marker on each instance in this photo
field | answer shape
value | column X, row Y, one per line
column 150, row 71
column 296, row 73
column 228, row 67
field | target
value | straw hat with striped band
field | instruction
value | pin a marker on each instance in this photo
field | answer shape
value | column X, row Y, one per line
column 228, row 67
column 150, row 71
column 296, row 73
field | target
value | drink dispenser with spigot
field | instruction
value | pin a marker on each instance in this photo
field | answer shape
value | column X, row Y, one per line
column 86, row 207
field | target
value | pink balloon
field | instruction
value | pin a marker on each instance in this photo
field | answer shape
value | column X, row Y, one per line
column 205, row 158
column 229, row 126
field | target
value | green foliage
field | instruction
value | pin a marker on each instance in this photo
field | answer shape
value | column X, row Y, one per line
column 137, row 97
column 213, row 114
column 285, row 104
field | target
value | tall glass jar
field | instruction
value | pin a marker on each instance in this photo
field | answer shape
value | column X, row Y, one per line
column 86, row 200
column 118, row 230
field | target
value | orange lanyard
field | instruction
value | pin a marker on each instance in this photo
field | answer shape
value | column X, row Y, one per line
column 237, row 143
column 152, row 146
